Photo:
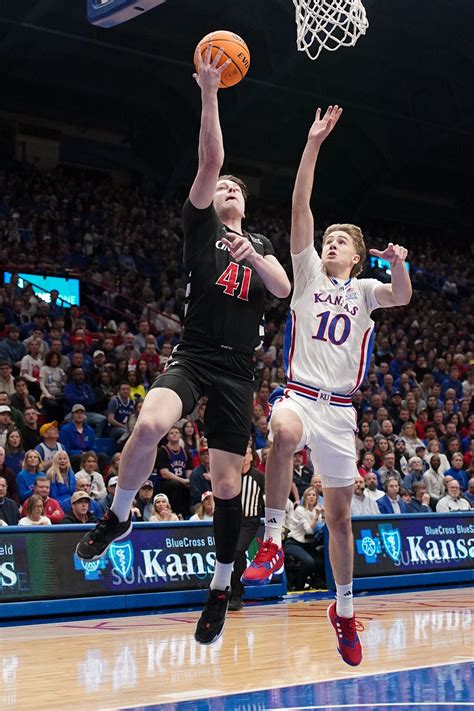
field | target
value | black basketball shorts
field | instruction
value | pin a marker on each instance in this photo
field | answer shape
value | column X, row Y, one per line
column 227, row 378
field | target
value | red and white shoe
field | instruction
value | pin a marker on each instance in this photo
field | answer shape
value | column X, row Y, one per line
column 348, row 642
column 269, row 561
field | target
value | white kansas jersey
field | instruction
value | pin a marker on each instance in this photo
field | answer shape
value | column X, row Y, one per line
column 329, row 333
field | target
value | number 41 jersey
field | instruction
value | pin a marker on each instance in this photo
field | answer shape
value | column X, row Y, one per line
column 224, row 299
column 329, row 333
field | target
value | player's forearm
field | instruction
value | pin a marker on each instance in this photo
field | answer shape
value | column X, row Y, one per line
column 211, row 143
column 401, row 284
column 305, row 176
column 273, row 276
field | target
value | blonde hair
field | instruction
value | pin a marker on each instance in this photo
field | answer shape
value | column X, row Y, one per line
column 305, row 495
column 355, row 233
column 27, row 454
column 54, row 473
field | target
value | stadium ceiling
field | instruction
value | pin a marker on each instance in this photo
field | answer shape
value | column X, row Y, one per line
column 406, row 88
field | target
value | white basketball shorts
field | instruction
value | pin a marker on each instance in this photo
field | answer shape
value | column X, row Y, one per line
column 329, row 432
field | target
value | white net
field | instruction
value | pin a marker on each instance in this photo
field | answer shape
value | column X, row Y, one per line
column 328, row 24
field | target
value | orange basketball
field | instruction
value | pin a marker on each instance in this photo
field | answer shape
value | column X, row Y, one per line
column 234, row 48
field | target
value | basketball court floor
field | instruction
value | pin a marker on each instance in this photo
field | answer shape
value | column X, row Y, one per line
column 418, row 655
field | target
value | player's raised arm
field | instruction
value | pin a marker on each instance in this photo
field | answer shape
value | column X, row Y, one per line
column 211, row 144
column 302, row 222
column 399, row 292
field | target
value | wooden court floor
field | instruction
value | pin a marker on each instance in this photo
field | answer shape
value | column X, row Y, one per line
column 134, row 661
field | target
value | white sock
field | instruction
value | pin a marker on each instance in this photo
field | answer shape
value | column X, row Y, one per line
column 273, row 524
column 344, row 600
column 222, row 576
column 122, row 503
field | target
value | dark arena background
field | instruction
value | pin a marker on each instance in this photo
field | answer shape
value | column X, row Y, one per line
column 99, row 132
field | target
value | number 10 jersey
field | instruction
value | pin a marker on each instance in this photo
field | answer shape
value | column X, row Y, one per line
column 329, row 333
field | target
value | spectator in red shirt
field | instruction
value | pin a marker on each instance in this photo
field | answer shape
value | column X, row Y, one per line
column 51, row 507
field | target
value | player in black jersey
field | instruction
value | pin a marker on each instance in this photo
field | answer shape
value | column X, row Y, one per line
column 229, row 270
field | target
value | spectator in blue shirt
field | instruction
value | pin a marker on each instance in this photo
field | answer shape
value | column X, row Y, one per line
column 452, row 381
column 415, row 473
column 457, row 472
column 76, row 436
column 120, row 408
column 77, row 392
column 26, row 477
column 11, row 348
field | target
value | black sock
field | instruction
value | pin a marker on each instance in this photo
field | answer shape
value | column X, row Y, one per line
column 227, row 521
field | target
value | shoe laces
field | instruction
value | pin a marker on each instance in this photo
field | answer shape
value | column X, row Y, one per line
column 266, row 551
column 100, row 528
column 350, row 626
column 213, row 606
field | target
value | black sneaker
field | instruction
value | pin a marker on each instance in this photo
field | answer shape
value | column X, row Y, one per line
column 95, row 542
column 235, row 603
column 211, row 623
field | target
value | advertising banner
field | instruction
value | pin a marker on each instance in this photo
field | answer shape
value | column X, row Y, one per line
column 394, row 545
column 40, row 564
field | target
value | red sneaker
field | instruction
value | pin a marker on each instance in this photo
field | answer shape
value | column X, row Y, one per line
column 268, row 561
column 348, row 642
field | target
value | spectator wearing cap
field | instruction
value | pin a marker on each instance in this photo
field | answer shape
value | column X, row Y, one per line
column 434, row 479
column 89, row 468
column 7, row 381
column 205, row 509
column 420, row 499
column 22, row 398
column 61, row 476
column 457, row 471
column 144, row 501
column 98, row 365
column 5, row 423
column 106, row 502
column 392, row 503
column 119, row 410
column 49, row 445
column 76, row 436
column 453, row 500
column 80, row 513
column 368, row 416
column 10, row 477
column 200, row 480
column 9, row 514
column 415, row 472
column 83, row 484
column 162, row 509
column 11, row 348
column 51, row 507
column 78, row 392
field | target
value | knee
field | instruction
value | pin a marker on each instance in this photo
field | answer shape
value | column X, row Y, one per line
column 285, row 438
column 147, row 433
column 339, row 526
column 226, row 487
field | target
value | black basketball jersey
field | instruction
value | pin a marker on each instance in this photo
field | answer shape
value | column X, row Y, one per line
column 224, row 298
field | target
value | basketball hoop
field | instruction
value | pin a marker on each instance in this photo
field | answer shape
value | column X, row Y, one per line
column 328, row 24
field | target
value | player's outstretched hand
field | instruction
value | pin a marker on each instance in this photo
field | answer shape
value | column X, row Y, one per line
column 322, row 127
column 394, row 253
column 239, row 247
column 208, row 75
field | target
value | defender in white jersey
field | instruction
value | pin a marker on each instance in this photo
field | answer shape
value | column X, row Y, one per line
column 328, row 344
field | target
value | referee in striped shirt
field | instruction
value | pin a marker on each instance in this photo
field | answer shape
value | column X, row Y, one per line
column 253, row 487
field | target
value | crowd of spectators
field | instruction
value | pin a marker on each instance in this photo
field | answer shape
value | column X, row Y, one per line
column 73, row 379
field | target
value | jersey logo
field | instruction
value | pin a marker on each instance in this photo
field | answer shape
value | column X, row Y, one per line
column 221, row 245
column 257, row 240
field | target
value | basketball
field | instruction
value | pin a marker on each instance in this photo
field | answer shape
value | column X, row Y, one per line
column 234, row 48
